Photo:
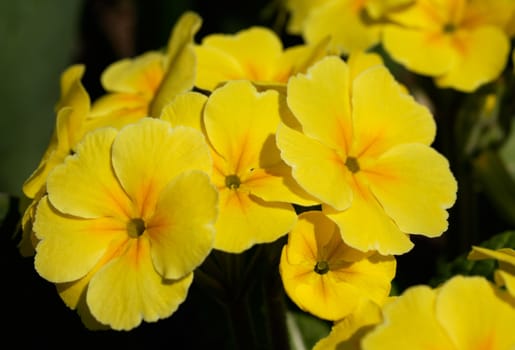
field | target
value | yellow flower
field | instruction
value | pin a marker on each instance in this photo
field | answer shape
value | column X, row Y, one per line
column 465, row 313
column 126, row 221
column 254, row 54
column 256, row 187
column 327, row 278
column 461, row 43
column 351, row 24
column 505, row 274
column 364, row 152
column 141, row 86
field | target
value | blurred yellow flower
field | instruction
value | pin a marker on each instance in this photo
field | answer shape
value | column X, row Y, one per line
column 364, row 151
column 126, row 221
column 254, row 54
column 465, row 313
column 505, row 274
column 142, row 86
column 461, row 43
column 327, row 278
column 352, row 25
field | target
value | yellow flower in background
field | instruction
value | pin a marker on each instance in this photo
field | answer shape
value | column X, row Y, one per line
column 327, row 278
column 141, row 86
column 255, row 186
column 254, row 54
column 465, row 313
column 505, row 274
column 463, row 44
column 126, row 221
column 364, row 152
column 352, row 25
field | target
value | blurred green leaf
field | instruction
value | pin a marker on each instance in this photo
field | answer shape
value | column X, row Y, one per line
column 507, row 151
column 462, row 266
column 37, row 39
column 305, row 330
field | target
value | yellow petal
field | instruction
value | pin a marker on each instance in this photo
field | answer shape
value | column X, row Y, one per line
column 84, row 185
column 245, row 220
column 415, row 186
column 471, row 324
column 128, row 289
column 180, row 62
column 320, row 101
column 385, row 116
column 119, row 109
column 360, row 61
column 354, row 35
column 365, row 225
column 409, row 323
column 506, row 277
column 309, row 159
column 240, row 122
column 506, row 255
column 182, row 229
column 423, row 52
column 161, row 152
column 70, row 247
column 186, row 110
column 483, row 54
column 215, row 67
column 73, row 93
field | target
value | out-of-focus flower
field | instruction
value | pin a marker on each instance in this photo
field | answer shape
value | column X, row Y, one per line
column 126, row 221
column 352, row 25
column 364, row 151
column 256, row 187
column 327, row 278
column 505, row 274
column 254, row 54
column 465, row 313
column 461, row 43
column 141, row 86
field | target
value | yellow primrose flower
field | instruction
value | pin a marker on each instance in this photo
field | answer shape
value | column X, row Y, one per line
column 465, row 313
column 141, row 86
column 255, row 186
column 352, row 24
column 327, row 278
column 364, row 151
column 505, row 274
column 254, row 54
column 461, row 43
column 126, row 221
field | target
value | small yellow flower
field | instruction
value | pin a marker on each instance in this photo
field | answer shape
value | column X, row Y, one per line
column 352, row 25
column 505, row 274
column 364, row 151
column 461, row 43
column 126, row 221
column 254, row 54
column 256, row 187
column 141, row 86
column 327, row 278
column 465, row 313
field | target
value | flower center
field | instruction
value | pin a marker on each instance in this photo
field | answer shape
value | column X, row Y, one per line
column 449, row 28
column 352, row 164
column 321, row 267
column 232, row 182
column 135, row 227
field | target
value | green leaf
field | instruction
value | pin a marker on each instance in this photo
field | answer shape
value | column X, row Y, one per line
column 305, row 330
column 507, row 151
column 462, row 266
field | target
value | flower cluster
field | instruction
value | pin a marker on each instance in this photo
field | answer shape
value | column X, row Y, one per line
column 235, row 141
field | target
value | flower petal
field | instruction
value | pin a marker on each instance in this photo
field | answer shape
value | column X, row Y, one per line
column 483, row 56
column 409, row 323
column 309, row 159
column 245, row 220
column 240, row 122
column 385, row 116
column 128, row 290
column 415, row 186
column 320, row 101
column 70, row 247
column 186, row 110
column 160, row 153
column 182, row 229
column 84, row 185
column 471, row 324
